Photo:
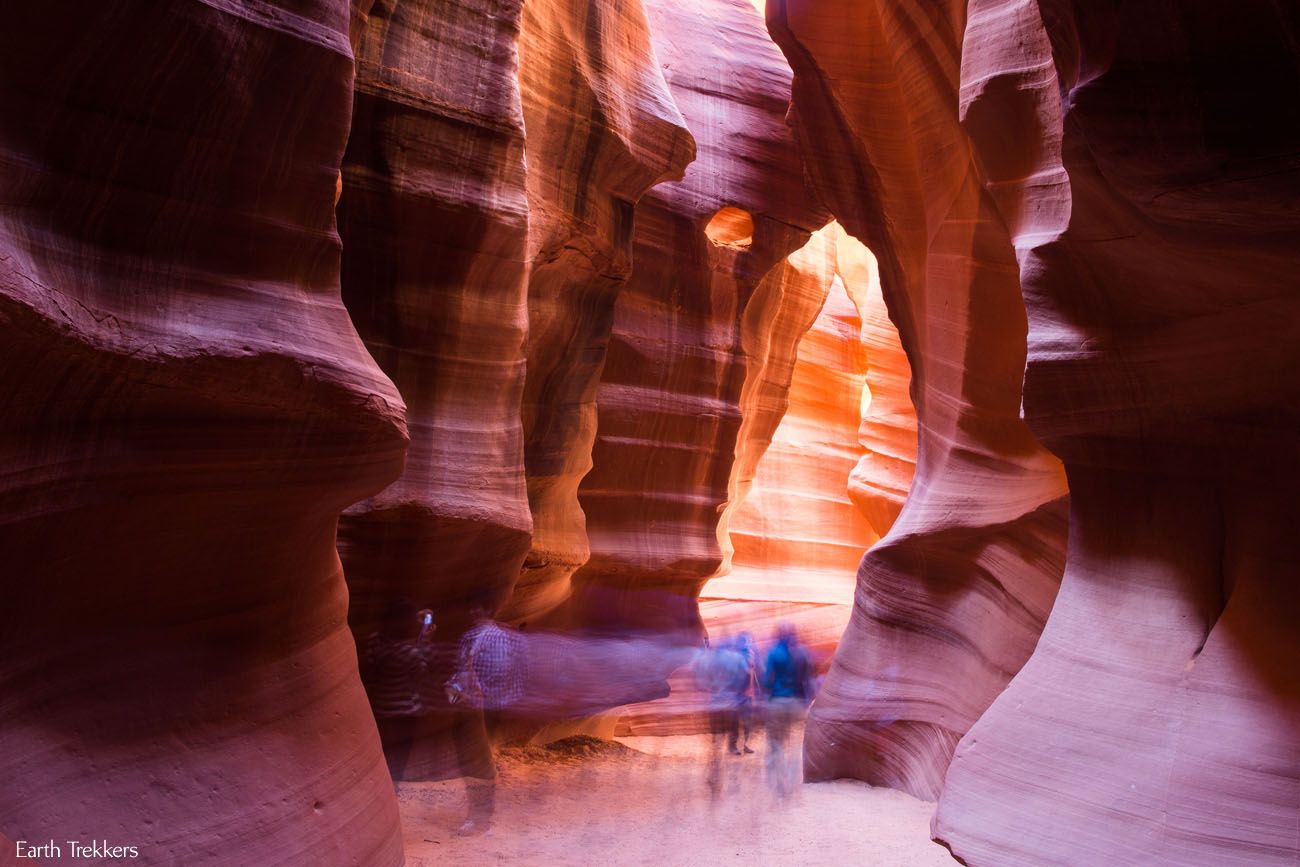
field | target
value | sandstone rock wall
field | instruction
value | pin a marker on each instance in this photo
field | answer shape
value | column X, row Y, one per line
column 187, row 408
column 525, row 175
column 434, row 220
column 950, row 603
column 1125, row 165
column 593, row 149
column 1083, row 212
column 496, row 153
column 670, row 393
column 887, row 439
column 1159, row 717
column 810, row 334
column 811, row 426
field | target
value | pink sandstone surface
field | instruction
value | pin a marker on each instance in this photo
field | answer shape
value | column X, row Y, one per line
column 486, row 215
column 670, row 392
column 187, row 408
column 1158, row 720
column 795, row 528
column 793, row 531
column 586, row 278
column 594, row 148
column 951, row 601
column 1103, row 155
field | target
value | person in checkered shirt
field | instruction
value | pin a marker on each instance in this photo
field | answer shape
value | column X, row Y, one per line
column 491, row 669
column 491, row 674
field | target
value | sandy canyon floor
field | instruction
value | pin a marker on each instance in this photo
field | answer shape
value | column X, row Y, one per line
column 648, row 802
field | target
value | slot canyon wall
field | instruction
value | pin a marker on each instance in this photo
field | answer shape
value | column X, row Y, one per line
column 186, row 409
column 208, row 383
column 824, row 458
column 1135, row 167
column 541, row 213
column 486, row 215
column 951, row 601
column 1168, row 672
column 575, row 260
column 708, row 250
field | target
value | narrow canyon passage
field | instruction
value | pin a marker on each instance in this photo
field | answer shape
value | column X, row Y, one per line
column 796, row 526
column 835, row 471
column 453, row 432
column 822, row 466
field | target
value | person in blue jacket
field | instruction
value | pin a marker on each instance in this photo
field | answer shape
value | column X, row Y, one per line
column 788, row 687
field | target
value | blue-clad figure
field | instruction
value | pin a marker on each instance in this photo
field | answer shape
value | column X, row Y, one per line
column 788, row 686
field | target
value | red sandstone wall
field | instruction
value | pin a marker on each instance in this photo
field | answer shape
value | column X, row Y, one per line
column 798, row 530
column 1159, row 717
column 950, row 603
column 434, row 220
column 1126, row 165
column 814, row 335
column 595, row 145
column 879, row 483
column 1094, row 200
column 669, row 395
column 486, row 214
column 187, row 408
column 530, row 225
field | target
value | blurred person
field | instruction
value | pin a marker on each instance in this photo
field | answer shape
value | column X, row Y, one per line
column 490, row 666
column 743, row 680
column 490, row 675
column 394, row 665
column 788, row 686
column 724, row 672
column 718, row 671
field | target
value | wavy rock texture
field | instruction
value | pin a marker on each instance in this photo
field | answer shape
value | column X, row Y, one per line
column 882, row 477
column 808, row 417
column 951, row 601
column 670, row 392
column 812, row 342
column 789, row 301
column 595, row 143
column 784, row 307
column 434, row 219
column 488, row 188
column 1158, row 720
column 187, row 409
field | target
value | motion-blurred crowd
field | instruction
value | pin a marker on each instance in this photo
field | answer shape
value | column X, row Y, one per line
column 743, row 690
column 541, row 675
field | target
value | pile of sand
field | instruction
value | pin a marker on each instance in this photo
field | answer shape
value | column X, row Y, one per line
column 575, row 748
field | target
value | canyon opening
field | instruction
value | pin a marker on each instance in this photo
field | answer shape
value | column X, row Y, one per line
column 584, row 432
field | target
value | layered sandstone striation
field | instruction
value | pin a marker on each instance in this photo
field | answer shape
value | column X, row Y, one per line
column 795, row 528
column 434, row 220
column 602, row 129
column 525, row 175
column 1104, row 158
column 187, row 408
column 880, row 481
column 825, row 395
column 706, row 250
column 951, row 601
column 589, row 276
column 1159, row 717
column 824, row 459
column 495, row 157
